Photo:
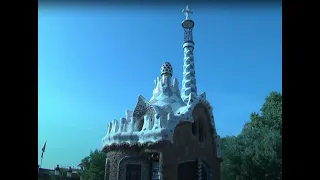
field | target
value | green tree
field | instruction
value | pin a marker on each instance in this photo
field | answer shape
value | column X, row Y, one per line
column 256, row 153
column 271, row 113
column 93, row 166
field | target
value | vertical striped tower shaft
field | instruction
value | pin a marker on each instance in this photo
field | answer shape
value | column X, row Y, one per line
column 199, row 169
column 189, row 80
column 189, row 87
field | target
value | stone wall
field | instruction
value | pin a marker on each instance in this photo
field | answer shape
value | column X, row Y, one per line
column 145, row 167
column 114, row 158
column 117, row 161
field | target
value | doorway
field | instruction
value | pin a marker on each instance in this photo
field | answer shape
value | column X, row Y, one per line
column 187, row 170
column 133, row 172
column 204, row 173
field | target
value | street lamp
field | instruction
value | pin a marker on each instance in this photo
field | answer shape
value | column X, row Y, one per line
column 69, row 172
column 57, row 171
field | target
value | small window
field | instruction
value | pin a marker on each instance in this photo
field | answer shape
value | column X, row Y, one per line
column 201, row 132
column 151, row 122
column 194, row 128
column 140, row 123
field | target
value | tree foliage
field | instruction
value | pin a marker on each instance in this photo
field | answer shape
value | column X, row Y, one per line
column 93, row 166
column 256, row 153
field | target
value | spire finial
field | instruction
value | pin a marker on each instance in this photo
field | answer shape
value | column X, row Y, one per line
column 189, row 86
column 187, row 12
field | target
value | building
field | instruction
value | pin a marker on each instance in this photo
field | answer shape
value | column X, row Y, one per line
column 48, row 174
column 170, row 137
column 44, row 174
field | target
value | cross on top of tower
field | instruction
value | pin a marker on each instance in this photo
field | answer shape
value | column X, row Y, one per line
column 187, row 12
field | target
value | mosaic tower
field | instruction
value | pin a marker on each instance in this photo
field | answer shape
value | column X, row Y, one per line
column 189, row 86
column 172, row 136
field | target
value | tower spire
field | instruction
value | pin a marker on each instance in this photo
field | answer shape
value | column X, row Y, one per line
column 189, row 87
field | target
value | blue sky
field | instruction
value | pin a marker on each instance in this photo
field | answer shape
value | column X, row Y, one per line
column 94, row 62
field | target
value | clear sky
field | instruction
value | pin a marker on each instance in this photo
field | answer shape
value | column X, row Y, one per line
column 94, row 62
